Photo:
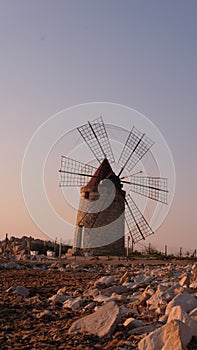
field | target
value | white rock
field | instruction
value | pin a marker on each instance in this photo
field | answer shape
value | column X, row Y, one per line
column 97, row 307
column 89, row 306
column 91, row 292
column 195, row 274
column 11, row 289
column 105, row 280
column 45, row 313
column 62, row 269
column 131, row 322
column 125, row 277
column 56, row 298
column 101, row 323
column 175, row 288
column 114, row 289
column 178, row 314
column 11, row 265
column 157, row 299
column 163, row 319
column 193, row 285
column 175, row 335
column 185, row 280
column 145, row 329
column 163, row 287
column 101, row 298
column 62, row 291
column 160, row 310
column 132, row 299
column 127, row 310
column 73, row 304
column 155, row 272
column 187, row 302
column 141, row 280
column 149, row 291
column 20, row 290
column 193, row 312
column 129, row 284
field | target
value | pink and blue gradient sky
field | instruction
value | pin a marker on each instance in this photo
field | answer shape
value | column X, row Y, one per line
column 56, row 54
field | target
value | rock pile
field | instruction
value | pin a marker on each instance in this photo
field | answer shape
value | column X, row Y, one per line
column 95, row 305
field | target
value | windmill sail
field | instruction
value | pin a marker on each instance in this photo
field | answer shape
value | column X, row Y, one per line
column 138, row 226
column 74, row 173
column 134, row 149
column 151, row 187
column 95, row 135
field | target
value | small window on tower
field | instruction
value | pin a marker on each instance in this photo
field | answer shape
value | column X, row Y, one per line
column 86, row 196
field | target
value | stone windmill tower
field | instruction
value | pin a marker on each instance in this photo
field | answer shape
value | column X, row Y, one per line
column 104, row 206
column 105, row 238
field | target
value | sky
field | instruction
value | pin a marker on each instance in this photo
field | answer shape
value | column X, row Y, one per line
column 58, row 54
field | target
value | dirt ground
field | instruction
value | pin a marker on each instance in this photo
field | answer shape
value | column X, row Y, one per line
column 20, row 324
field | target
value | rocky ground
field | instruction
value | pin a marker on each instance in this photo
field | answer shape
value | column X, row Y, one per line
column 98, row 304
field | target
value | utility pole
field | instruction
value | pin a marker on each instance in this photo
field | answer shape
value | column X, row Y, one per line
column 60, row 248
column 132, row 246
column 55, row 243
column 128, row 245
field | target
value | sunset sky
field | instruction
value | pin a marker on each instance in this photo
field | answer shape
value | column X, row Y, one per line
column 58, row 54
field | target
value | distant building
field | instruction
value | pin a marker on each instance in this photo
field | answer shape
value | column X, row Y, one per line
column 50, row 253
column 34, row 252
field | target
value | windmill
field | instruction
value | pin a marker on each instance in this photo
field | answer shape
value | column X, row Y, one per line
column 104, row 205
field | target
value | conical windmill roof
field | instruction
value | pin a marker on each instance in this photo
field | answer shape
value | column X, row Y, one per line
column 104, row 171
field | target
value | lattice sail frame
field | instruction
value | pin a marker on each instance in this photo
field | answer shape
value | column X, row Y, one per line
column 138, row 226
column 74, row 173
column 151, row 187
column 136, row 146
column 95, row 135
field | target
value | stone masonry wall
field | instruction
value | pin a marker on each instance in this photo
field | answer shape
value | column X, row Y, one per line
column 101, row 232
